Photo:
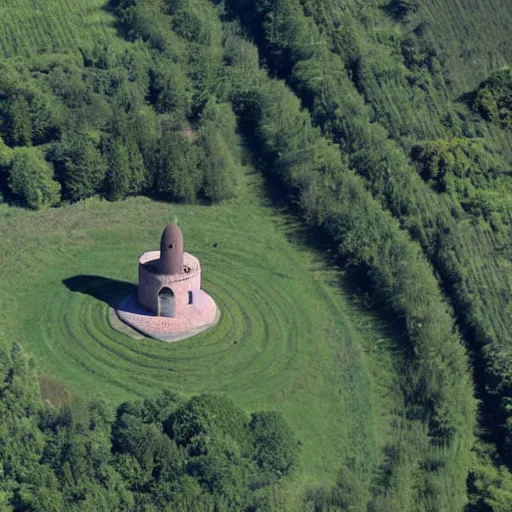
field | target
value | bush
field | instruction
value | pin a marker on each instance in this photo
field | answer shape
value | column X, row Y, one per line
column 210, row 416
column 178, row 176
column 276, row 447
column 80, row 166
column 220, row 155
column 494, row 98
column 465, row 169
column 31, row 178
column 171, row 90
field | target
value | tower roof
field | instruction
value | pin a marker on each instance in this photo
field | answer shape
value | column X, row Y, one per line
column 171, row 250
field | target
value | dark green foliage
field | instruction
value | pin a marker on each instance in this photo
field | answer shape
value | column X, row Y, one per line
column 80, row 166
column 465, row 169
column 78, row 457
column 220, row 160
column 188, row 25
column 490, row 484
column 349, row 494
column 107, row 112
column 401, row 8
column 207, row 417
column 126, row 174
column 171, row 90
column 276, row 448
column 178, row 176
column 20, row 128
column 5, row 154
column 31, row 178
column 494, row 98
column 118, row 176
column 419, row 52
column 26, row 111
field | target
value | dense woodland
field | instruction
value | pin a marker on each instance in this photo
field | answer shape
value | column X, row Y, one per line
column 350, row 114
column 166, row 453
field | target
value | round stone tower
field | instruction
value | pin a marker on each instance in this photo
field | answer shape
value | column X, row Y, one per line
column 169, row 303
column 169, row 278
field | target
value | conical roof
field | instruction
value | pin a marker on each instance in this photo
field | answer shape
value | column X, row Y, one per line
column 171, row 250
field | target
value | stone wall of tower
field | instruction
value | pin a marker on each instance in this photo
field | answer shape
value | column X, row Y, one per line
column 150, row 283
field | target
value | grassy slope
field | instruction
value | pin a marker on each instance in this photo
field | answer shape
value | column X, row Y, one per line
column 301, row 346
column 287, row 340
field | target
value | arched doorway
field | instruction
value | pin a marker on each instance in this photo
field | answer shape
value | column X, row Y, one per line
column 166, row 302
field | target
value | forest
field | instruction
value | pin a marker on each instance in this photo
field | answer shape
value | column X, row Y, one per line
column 389, row 147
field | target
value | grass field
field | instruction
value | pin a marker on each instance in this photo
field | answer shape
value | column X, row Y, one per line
column 287, row 339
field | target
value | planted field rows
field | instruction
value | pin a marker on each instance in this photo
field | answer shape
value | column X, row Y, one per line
column 52, row 27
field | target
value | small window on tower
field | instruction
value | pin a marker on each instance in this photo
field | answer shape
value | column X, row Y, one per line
column 190, row 297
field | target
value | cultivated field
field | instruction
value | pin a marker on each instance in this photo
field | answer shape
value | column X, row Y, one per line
column 52, row 27
column 287, row 339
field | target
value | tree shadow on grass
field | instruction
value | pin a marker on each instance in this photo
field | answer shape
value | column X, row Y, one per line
column 110, row 291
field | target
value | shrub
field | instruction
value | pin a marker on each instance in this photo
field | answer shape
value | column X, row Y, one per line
column 80, row 166
column 276, row 447
column 494, row 98
column 31, row 178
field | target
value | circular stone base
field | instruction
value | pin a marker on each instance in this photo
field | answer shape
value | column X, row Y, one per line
column 200, row 316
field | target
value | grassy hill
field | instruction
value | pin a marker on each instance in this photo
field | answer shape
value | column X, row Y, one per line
column 288, row 339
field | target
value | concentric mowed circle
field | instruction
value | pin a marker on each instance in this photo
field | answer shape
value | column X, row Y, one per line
column 285, row 341
column 255, row 341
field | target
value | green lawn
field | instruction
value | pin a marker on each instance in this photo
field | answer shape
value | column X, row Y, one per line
column 287, row 339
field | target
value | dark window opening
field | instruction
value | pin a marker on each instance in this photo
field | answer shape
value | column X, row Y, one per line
column 166, row 303
column 190, row 297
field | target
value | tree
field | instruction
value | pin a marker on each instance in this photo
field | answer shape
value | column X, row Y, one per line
column 209, row 416
column 171, row 90
column 220, row 156
column 5, row 154
column 494, row 98
column 21, row 441
column 219, row 166
column 178, row 176
column 20, row 126
column 277, row 451
column 118, row 176
column 80, row 166
column 139, row 179
column 31, row 178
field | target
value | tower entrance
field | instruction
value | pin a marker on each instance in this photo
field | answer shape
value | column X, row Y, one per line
column 166, row 303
